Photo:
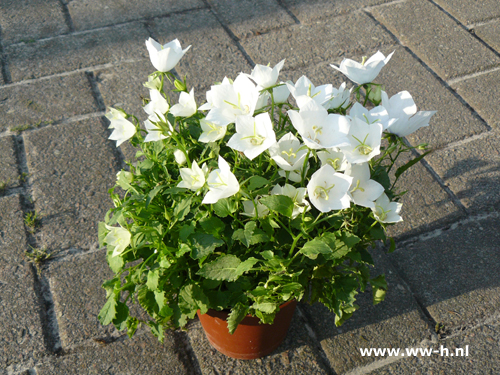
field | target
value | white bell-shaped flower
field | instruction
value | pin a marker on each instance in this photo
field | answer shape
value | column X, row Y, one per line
column 328, row 190
column 222, row 183
column 253, row 135
column 363, row 190
column 386, row 211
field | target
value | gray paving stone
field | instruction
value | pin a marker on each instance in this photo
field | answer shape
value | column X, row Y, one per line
column 482, row 359
column 71, row 166
column 143, row 354
column 28, row 20
column 89, row 14
column 249, row 17
column 21, row 332
column 490, row 33
column 453, row 120
column 442, row 44
column 213, row 54
column 44, row 101
column 396, row 322
column 468, row 13
column 76, row 51
column 9, row 174
column 454, row 273
column 425, row 205
column 296, row 355
column 479, row 92
column 321, row 42
column 78, row 297
column 471, row 170
column 307, row 10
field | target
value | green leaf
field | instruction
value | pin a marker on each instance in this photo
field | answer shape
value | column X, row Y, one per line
column 192, row 298
column 312, row 248
column 122, row 313
column 403, row 168
column 152, row 194
column 212, row 225
column 108, row 311
column 182, row 208
column 266, row 307
column 116, row 263
column 153, row 277
column 157, row 330
column 183, row 249
column 132, row 324
column 203, row 244
column 223, row 268
column 225, row 207
column 393, row 245
column 102, row 231
column 379, row 287
column 186, row 231
column 238, row 312
column 147, row 300
column 279, row 203
column 246, row 265
column 160, row 298
column 256, row 182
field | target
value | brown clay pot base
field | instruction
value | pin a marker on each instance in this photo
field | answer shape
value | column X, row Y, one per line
column 251, row 339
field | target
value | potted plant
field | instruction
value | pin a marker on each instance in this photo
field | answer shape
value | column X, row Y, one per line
column 268, row 194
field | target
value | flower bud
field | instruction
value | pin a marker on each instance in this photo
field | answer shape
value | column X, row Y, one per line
column 179, row 85
column 180, row 157
column 375, row 93
column 422, row 146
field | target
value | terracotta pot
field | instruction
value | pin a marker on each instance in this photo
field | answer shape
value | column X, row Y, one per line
column 251, row 339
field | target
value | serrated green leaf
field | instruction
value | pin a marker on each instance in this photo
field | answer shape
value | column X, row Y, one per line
column 153, row 277
column 279, row 203
column 116, row 263
column 203, row 244
column 246, row 265
column 132, row 324
column 160, row 298
column 147, row 300
column 102, row 231
column 186, row 231
column 212, row 225
column 224, row 207
column 312, row 248
column 182, row 208
column 108, row 311
column 265, row 307
column 192, row 298
column 183, row 249
column 256, row 182
column 238, row 312
column 223, row 268
column 122, row 313
column 153, row 194
column 157, row 330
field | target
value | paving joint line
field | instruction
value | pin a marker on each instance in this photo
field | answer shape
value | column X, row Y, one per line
column 309, row 325
column 369, row 8
column 4, row 66
column 67, row 16
column 228, row 31
column 288, row 11
column 464, row 27
column 472, row 75
column 50, row 326
column 482, row 23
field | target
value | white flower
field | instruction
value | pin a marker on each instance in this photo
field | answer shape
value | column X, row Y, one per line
column 263, row 99
column 304, row 90
column 318, row 128
column 365, row 141
column 264, row 76
column 249, row 209
column 386, row 211
column 300, row 204
column 296, row 175
column 366, row 71
column 378, row 114
column 281, row 93
column 336, row 98
column 165, row 58
column 155, row 132
column 193, row 178
column 222, row 183
column 122, row 128
column 231, row 100
column 211, row 131
column 334, row 158
column 288, row 153
column 180, row 157
column 158, row 103
column 253, row 135
column 186, row 106
column 363, row 190
column 402, row 107
column 153, row 83
column 117, row 237
column 328, row 189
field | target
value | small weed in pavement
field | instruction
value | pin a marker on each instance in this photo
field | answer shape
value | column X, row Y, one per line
column 3, row 185
column 37, row 256
column 32, row 220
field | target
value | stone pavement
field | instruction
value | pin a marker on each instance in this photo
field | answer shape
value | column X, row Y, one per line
column 64, row 61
